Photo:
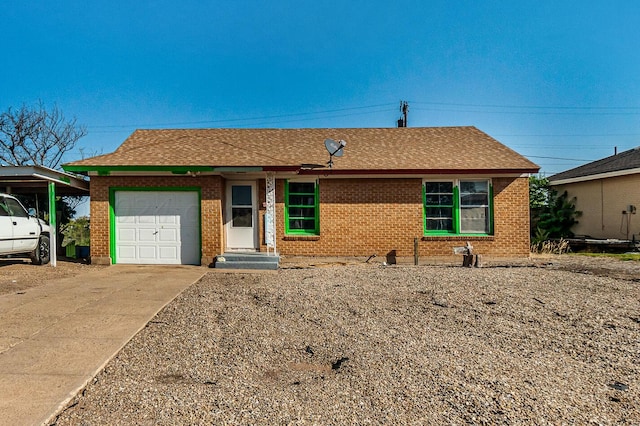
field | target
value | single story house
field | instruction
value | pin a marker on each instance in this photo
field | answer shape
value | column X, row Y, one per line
column 187, row 195
column 607, row 192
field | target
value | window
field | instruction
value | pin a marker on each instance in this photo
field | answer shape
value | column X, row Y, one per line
column 15, row 209
column 301, row 208
column 241, row 206
column 4, row 210
column 474, row 207
column 457, row 207
column 439, row 206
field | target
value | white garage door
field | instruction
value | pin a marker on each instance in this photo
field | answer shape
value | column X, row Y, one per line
column 157, row 227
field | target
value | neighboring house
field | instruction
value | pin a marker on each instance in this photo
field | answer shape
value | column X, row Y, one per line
column 185, row 196
column 607, row 192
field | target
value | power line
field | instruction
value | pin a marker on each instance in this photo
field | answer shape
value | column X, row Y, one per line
column 319, row 115
column 568, row 135
column 563, row 147
column 232, row 120
column 529, row 112
column 312, row 118
column 530, row 106
column 557, row 158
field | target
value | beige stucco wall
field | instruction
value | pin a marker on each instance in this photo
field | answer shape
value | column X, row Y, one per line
column 602, row 202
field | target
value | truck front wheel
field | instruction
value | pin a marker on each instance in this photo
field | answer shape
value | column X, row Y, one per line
column 41, row 255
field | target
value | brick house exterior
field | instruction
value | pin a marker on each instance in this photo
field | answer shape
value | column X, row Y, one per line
column 376, row 198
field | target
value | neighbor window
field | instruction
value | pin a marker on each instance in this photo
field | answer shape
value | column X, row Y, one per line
column 301, row 208
column 457, row 207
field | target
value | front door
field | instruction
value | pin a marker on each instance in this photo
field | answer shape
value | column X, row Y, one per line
column 241, row 216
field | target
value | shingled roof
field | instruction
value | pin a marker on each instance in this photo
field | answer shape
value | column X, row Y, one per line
column 367, row 149
column 625, row 161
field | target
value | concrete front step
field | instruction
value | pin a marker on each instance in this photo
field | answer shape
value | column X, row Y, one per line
column 247, row 261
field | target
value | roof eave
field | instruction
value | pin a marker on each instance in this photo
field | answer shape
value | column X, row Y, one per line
column 419, row 171
column 42, row 173
column 597, row 176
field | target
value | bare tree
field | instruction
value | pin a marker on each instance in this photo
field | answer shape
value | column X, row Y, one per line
column 36, row 136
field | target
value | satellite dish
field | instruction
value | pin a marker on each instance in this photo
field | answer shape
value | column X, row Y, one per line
column 335, row 148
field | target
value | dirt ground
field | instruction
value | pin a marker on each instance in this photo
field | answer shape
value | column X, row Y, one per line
column 17, row 275
column 334, row 341
column 550, row 340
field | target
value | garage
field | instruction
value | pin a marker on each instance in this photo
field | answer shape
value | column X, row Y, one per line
column 157, row 227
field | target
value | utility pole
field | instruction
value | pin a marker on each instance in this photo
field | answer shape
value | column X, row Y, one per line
column 404, row 108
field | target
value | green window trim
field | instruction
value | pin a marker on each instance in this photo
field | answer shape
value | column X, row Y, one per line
column 311, row 220
column 456, row 209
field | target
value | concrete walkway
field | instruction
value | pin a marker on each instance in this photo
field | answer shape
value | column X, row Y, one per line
column 55, row 338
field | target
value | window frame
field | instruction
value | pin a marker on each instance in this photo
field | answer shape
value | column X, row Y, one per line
column 454, row 207
column 316, row 206
column 15, row 208
column 457, row 208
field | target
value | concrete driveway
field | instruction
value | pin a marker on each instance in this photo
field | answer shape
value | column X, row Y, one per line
column 56, row 337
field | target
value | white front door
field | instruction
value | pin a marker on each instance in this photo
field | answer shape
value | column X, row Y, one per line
column 157, row 227
column 241, row 216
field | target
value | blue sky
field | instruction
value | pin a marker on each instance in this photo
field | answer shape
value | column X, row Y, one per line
column 557, row 79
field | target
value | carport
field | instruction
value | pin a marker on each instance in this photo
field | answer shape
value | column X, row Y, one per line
column 27, row 180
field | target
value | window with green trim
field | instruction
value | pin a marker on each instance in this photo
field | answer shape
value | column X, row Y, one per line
column 439, row 206
column 301, row 208
column 460, row 206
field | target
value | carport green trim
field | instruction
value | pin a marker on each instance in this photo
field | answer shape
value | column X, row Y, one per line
column 106, row 170
column 112, row 206
column 53, row 238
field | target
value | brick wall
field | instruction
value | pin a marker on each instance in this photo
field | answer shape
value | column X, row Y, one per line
column 359, row 217
column 211, row 210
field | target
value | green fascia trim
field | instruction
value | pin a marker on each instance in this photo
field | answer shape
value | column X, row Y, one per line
column 112, row 215
column 106, row 170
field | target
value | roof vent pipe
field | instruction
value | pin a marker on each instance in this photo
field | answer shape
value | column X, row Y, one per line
column 615, row 150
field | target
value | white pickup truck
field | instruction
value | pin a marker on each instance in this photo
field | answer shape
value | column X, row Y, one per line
column 21, row 233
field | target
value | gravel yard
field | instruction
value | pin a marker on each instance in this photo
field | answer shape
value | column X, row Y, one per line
column 546, row 342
